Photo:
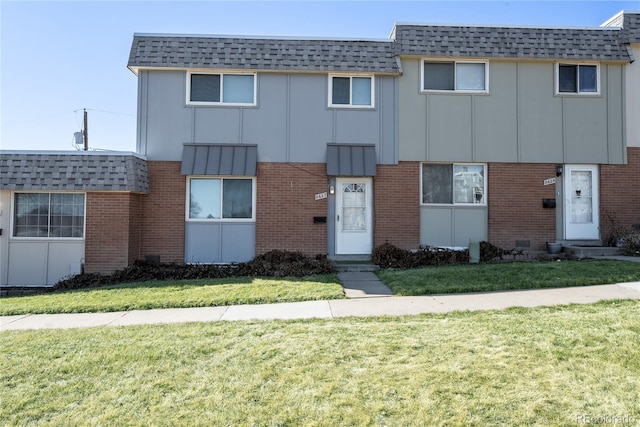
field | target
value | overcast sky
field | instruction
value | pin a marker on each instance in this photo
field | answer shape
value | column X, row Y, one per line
column 58, row 58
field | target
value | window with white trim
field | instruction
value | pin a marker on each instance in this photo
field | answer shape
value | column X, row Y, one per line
column 577, row 79
column 455, row 76
column 49, row 215
column 221, row 89
column 351, row 91
column 221, row 198
column 454, row 184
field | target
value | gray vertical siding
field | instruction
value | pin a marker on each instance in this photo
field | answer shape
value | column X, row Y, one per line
column 540, row 127
column 492, row 140
column 210, row 243
column 521, row 119
column 452, row 226
column 291, row 122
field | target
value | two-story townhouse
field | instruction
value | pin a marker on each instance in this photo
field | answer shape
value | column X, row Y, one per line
column 440, row 135
column 514, row 131
column 260, row 144
column 621, row 191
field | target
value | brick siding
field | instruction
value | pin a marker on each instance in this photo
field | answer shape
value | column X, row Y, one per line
column 515, row 193
column 620, row 193
column 286, row 206
column 397, row 205
column 112, row 231
column 124, row 227
column 163, row 213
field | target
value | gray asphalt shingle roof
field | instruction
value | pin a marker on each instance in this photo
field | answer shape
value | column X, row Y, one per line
column 262, row 54
column 242, row 53
column 508, row 42
column 632, row 27
column 70, row 171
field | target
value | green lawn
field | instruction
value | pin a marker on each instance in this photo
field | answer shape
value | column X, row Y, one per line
column 543, row 366
column 175, row 294
column 508, row 276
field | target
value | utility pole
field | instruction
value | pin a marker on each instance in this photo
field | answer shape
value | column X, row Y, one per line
column 85, row 132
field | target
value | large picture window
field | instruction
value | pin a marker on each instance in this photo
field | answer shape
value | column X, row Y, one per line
column 351, row 91
column 49, row 215
column 453, row 184
column 577, row 79
column 211, row 89
column 220, row 198
column 454, row 76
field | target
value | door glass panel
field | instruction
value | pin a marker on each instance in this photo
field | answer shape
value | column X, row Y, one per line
column 581, row 197
column 354, row 207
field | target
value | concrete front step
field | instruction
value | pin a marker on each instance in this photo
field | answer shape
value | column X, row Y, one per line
column 579, row 252
column 347, row 267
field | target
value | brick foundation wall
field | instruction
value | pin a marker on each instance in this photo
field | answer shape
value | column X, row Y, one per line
column 515, row 193
column 286, row 205
column 107, row 236
column 397, row 205
column 620, row 193
column 163, row 213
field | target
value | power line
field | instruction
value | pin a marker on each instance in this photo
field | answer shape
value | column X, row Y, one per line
column 105, row 111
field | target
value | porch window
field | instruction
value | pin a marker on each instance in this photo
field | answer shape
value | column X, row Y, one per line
column 220, row 199
column 457, row 184
column 49, row 215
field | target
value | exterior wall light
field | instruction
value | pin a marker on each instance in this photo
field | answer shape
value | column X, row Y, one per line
column 332, row 190
column 558, row 170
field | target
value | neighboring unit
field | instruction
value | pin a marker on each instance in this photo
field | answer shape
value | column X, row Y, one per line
column 441, row 135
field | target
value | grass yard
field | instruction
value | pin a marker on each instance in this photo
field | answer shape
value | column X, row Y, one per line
column 508, row 276
column 176, row 294
column 542, row 366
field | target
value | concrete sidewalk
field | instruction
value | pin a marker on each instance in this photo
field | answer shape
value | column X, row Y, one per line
column 367, row 299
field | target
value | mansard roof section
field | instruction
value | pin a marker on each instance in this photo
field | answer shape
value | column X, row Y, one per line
column 600, row 44
column 631, row 27
column 73, row 171
column 270, row 54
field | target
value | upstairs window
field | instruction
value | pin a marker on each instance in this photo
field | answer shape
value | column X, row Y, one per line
column 49, row 215
column 453, row 184
column 351, row 91
column 211, row 89
column 454, row 76
column 578, row 79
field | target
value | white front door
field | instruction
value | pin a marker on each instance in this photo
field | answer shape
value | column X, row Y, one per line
column 354, row 219
column 581, row 202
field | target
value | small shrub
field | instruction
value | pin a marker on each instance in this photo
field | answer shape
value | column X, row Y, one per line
column 627, row 239
column 489, row 252
column 271, row 264
column 390, row 256
column 630, row 243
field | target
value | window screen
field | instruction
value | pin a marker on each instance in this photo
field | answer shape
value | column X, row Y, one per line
column 438, row 75
column 205, row 87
